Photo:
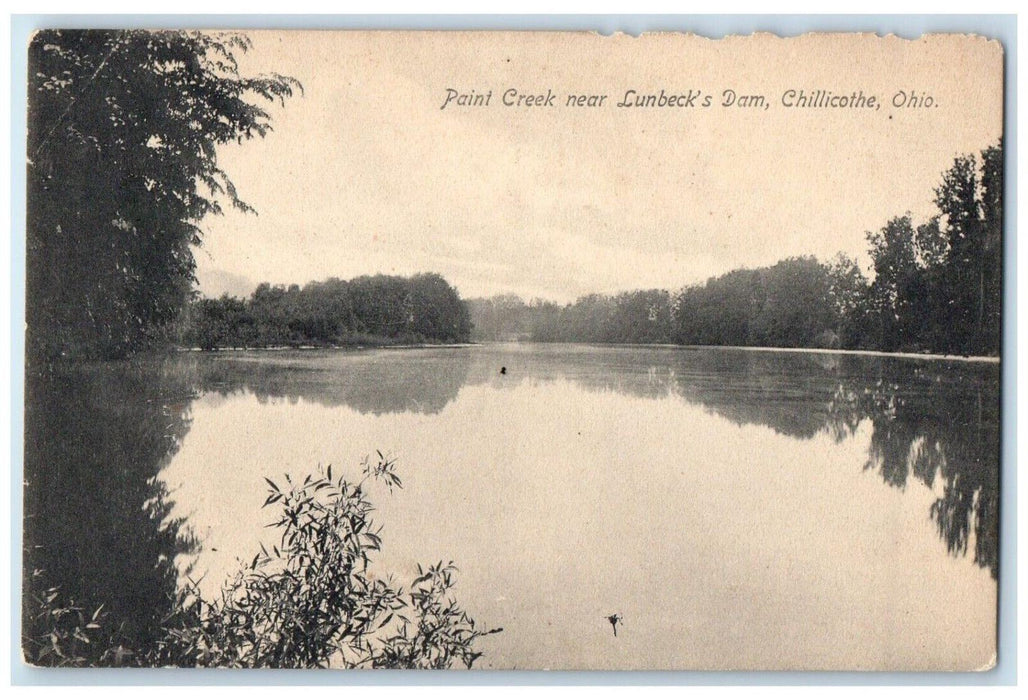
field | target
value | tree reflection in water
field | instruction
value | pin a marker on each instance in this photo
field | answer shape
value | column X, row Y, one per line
column 97, row 522
column 375, row 382
column 942, row 423
column 932, row 419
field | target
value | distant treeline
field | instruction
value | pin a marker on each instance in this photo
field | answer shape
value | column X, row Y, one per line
column 785, row 305
column 935, row 287
column 374, row 310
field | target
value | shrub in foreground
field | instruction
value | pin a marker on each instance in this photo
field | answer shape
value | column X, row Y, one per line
column 310, row 601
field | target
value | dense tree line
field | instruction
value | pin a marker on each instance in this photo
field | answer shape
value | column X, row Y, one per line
column 939, row 285
column 503, row 317
column 782, row 305
column 933, row 287
column 123, row 130
column 630, row 317
column 379, row 309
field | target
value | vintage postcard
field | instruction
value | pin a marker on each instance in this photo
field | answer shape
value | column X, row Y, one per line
column 512, row 350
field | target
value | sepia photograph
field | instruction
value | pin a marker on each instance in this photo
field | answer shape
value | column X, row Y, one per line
column 515, row 350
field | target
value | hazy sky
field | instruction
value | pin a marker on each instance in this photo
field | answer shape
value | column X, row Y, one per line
column 365, row 173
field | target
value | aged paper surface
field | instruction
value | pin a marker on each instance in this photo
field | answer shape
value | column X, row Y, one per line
column 720, row 390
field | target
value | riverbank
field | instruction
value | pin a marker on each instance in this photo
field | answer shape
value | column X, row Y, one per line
column 827, row 351
column 862, row 353
column 416, row 346
column 369, row 346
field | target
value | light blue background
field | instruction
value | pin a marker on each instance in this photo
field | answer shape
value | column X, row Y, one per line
column 1002, row 27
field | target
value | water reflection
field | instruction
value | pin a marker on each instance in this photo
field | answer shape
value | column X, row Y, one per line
column 932, row 420
column 97, row 517
column 374, row 382
column 929, row 427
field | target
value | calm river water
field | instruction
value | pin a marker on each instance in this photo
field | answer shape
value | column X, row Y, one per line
column 739, row 509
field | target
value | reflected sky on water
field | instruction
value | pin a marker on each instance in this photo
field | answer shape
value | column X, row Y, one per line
column 740, row 509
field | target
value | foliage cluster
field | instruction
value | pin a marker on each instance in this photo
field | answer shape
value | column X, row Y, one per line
column 376, row 309
column 310, row 601
column 939, row 285
column 783, row 305
column 123, row 132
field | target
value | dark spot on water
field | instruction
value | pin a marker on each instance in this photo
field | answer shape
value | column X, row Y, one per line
column 614, row 620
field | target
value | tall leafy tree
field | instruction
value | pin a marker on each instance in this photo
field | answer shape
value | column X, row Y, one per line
column 895, row 290
column 123, row 131
column 970, row 200
column 992, row 225
column 847, row 296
